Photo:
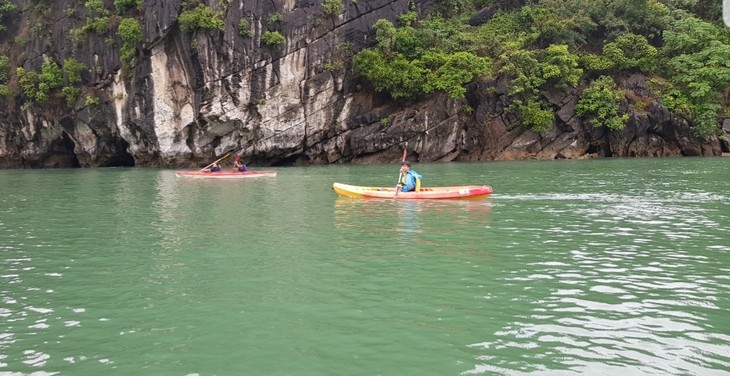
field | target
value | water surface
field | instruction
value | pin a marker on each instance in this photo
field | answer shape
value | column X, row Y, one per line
column 570, row 268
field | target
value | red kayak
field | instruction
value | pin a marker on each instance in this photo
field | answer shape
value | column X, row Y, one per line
column 205, row 174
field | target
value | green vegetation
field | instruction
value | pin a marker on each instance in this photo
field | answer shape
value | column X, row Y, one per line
column 273, row 38
column 201, row 17
column 123, row 6
column 39, row 87
column 274, row 18
column 554, row 45
column 4, row 75
column 243, row 29
column 36, row 87
column 130, row 32
column 402, row 67
column 600, row 104
column 91, row 101
column 98, row 20
column 5, row 7
column 332, row 7
column 698, row 63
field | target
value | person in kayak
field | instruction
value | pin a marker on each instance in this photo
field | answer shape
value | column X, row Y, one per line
column 215, row 167
column 238, row 165
column 411, row 180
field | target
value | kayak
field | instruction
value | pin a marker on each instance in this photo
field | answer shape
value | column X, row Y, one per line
column 225, row 174
column 456, row 192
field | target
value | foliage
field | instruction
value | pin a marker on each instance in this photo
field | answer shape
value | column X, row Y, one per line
column 274, row 18
column 450, row 72
column 453, row 8
column 447, row 35
column 4, row 75
column 600, row 102
column 70, row 94
column 332, row 7
column 243, row 28
column 96, row 7
column 401, row 78
column 408, row 19
column 630, row 51
column 130, row 32
column 4, row 69
column 531, row 70
column 36, row 86
column 99, row 25
column 385, row 33
column 124, row 5
column 99, row 17
column 6, row 7
column 72, row 70
column 699, row 66
column 409, row 78
column 273, row 38
column 201, row 17
column 534, row 115
column 91, row 101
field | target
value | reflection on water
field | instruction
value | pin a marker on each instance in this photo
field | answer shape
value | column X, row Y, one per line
column 629, row 283
column 410, row 222
column 611, row 270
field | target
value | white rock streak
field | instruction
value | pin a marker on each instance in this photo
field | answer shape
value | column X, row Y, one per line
column 170, row 89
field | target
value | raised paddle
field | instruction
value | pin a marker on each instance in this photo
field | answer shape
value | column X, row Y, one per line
column 400, row 176
column 219, row 159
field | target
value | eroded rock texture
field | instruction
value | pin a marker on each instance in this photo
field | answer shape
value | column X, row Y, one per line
column 194, row 95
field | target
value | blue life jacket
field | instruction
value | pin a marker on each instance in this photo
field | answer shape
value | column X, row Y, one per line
column 411, row 181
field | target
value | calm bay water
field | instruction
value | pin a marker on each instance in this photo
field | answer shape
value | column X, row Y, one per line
column 571, row 268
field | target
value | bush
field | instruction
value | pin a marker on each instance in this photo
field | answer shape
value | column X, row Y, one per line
column 70, row 95
column 4, row 69
column 72, row 69
column 200, row 18
column 274, row 18
column 91, row 101
column 5, row 8
column 130, row 32
column 535, row 116
column 332, row 7
column 273, row 38
column 124, row 5
column 243, row 28
column 600, row 103
column 631, row 51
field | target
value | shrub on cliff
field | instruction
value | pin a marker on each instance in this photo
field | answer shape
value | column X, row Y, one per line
column 201, row 17
column 124, row 5
column 5, row 8
column 130, row 32
column 405, row 69
column 273, row 38
column 600, row 103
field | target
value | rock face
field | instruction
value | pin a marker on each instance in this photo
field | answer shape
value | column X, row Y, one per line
column 192, row 96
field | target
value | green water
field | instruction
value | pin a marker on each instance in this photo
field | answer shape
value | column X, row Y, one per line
column 571, row 268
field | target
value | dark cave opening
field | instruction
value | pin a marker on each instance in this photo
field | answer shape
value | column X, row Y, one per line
column 120, row 158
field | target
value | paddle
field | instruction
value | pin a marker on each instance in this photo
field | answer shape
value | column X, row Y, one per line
column 219, row 159
column 400, row 176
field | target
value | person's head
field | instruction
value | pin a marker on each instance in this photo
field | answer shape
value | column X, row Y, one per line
column 405, row 166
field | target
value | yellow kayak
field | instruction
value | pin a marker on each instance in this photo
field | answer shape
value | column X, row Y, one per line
column 437, row 193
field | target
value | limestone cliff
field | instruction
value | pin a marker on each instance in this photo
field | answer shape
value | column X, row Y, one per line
column 193, row 95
